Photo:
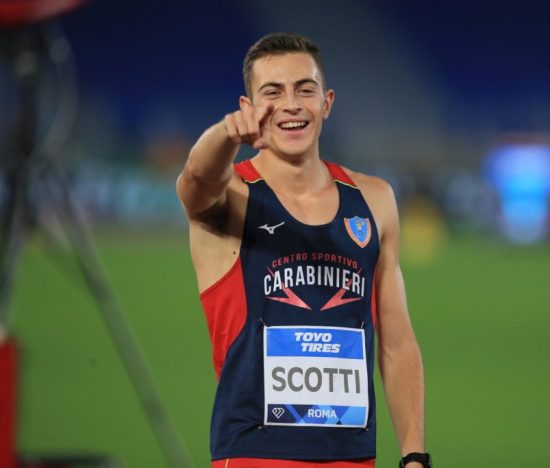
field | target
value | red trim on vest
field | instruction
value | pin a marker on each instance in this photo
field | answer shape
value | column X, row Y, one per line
column 8, row 357
column 338, row 174
column 277, row 463
column 224, row 305
column 247, row 171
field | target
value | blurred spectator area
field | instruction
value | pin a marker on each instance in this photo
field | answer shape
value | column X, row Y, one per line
column 424, row 92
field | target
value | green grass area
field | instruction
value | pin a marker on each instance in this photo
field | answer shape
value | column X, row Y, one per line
column 481, row 311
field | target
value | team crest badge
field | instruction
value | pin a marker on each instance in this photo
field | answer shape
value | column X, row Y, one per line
column 359, row 230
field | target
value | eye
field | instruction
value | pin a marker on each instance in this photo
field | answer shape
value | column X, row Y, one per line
column 271, row 92
column 306, row 91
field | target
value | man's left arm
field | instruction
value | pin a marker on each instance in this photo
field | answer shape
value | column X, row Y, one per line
column 399, row 356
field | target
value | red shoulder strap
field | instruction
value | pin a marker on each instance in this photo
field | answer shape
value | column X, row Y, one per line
column 338, row 174
column 247, row 171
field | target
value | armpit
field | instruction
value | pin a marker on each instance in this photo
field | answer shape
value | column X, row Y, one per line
column 215, row 218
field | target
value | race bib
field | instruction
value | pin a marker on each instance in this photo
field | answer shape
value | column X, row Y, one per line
column 315, row 376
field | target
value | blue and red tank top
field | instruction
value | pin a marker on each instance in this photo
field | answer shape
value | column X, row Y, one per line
column 292, row 328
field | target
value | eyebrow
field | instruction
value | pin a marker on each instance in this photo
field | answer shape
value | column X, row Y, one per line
column 301, row 82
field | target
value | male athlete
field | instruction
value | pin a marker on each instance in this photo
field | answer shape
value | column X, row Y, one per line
column 297, row 265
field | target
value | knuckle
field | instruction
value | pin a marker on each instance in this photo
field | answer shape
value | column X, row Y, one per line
column 234, row 137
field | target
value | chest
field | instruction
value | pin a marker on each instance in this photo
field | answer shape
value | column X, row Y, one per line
column 304, row 268
column 311, row 208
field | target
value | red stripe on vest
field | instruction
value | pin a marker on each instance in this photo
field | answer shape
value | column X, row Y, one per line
column 247, row 171
column 373, row 310
column 224, row 305
column 339, row 174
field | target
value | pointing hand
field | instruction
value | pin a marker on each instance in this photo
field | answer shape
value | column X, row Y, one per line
column 250, row 125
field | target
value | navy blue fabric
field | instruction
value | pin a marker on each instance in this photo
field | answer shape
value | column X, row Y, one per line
column 237, row 428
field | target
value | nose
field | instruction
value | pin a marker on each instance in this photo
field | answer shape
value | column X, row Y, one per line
column 292, row 105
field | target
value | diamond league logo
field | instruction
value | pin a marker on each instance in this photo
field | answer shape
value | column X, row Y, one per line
column 278, row 412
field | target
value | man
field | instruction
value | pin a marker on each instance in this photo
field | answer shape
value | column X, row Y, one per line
column 293, row 256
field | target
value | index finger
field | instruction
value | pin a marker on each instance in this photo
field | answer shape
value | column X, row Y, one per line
column 265, row 113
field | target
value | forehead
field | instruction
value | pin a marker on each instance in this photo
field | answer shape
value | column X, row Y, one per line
column 285, row 68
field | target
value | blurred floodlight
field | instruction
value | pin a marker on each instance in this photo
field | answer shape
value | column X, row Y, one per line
column 520, row 173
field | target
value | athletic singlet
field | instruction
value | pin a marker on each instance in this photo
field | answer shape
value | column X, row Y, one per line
column 292, row 329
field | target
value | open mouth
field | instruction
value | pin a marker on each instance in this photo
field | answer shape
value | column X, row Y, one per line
column 292, row 126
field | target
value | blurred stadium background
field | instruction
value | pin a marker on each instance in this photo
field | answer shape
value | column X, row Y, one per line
column 449, row 101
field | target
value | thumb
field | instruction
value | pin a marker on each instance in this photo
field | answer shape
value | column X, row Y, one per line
column 261, row 143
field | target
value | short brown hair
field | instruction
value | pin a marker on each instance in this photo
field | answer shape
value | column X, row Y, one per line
column 277, row 44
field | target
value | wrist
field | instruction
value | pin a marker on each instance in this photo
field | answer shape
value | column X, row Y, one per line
column 416, row 460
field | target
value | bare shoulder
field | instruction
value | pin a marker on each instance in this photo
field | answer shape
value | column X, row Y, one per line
column 374, row 184
column 373, row 188
column 379, row 196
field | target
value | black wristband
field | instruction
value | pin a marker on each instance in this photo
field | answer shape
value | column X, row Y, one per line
column 423, row 458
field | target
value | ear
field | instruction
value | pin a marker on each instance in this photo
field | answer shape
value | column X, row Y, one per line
column 244, row 101
column 327, row 104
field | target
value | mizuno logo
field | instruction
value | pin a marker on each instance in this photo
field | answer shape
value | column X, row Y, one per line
column 271, row 229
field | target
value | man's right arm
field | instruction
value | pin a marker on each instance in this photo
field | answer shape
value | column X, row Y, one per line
column 208, row 171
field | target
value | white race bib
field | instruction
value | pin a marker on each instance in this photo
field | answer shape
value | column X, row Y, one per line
column 315, row 376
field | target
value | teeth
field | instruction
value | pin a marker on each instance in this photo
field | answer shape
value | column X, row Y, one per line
column 293, row 124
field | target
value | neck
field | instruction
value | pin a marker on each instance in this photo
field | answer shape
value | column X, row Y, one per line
column 296, row 175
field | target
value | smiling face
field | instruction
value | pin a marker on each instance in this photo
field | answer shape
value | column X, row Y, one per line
column 293, row 84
